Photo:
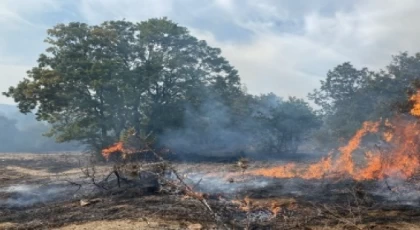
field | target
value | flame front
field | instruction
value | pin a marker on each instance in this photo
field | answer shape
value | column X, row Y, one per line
column 399, row 158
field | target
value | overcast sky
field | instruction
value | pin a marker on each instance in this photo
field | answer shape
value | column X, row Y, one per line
column 280, row 46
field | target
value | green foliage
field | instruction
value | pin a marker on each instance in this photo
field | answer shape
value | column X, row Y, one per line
column 283, row 124
column 96, row 81
column 124, row 81
column 349, row 96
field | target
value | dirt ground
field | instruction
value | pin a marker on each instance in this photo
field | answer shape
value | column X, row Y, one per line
column 260, row 208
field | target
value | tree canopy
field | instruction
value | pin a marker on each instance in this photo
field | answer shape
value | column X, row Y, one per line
column 94, row 82
column 349, row 96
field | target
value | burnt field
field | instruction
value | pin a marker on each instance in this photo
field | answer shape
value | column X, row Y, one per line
column 51, row 191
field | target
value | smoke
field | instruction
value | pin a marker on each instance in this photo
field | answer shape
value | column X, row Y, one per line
column 24, row 195
column 398, row 191
column 207, row 130
column 24, row 134
column 215, row 184
column 390, row 191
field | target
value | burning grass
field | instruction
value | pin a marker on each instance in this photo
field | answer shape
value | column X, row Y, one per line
column 397, row 158
column 353, row 187
column 250, row 202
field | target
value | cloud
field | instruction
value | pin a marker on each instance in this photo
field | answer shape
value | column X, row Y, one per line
column 17, row 14
column 23, row 29
column 369, row 33
column 281, row 46
column 13, row 74
column 96, row 11
column 269, row 63
column 291, row 61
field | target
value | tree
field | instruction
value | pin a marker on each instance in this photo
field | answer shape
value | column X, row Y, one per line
column 94, row 82
column 349, row 96
column 341, row 85
column 283, row 124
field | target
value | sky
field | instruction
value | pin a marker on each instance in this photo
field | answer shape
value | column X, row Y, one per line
column 280, row 46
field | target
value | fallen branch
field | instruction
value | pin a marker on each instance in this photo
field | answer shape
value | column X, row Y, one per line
column 165, row 166
column 198, row 196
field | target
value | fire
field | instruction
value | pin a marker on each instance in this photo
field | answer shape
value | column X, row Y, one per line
column 400, row 158
column 285, row 171
column 415, row 111
column 345, row 162
column 318, row 170
column 116, row 148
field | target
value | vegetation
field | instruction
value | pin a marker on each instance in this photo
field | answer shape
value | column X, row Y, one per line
column 96, row 82
column 350, row 96
column 283, row 126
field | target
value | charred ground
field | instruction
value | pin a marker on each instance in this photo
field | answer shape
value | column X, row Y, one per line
column 277, row 204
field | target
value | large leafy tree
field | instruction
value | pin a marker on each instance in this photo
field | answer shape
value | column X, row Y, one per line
column 341, row 84
column 94, row 82
column 342, row 99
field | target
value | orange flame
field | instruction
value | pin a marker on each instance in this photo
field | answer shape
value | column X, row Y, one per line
column 415, row 111
column 285, row 171
column 117, row 148
column 318, row 170
column 400, row 159
column 345, row 162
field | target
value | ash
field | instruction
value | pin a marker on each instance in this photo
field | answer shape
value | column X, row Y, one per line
column 219, row 184
column 385, row 192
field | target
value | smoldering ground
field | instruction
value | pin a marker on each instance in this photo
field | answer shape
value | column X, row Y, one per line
column 24, row 195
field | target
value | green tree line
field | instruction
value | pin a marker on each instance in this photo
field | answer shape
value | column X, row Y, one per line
column 349, row 96
column 96, row 82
